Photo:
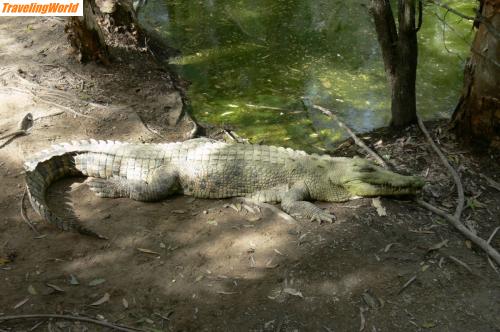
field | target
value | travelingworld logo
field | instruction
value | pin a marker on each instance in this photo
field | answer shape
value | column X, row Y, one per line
column 41, row 8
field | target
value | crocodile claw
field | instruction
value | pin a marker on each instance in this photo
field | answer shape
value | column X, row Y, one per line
column 323, row 215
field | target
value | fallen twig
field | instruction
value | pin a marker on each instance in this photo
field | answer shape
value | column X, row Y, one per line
column 74, row 318
column 24, row 125
column 408, row 283
column 48, row 102
column 12, row 137
column 48, row 115
column 307, row 103
column 151, row 130
column 459, row 262
column 493, row 234
column 455, row 222
column 25, row 217
column 454, row 174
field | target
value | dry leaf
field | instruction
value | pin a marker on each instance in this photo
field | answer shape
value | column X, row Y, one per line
column 179, row 211
column 32, row 290
column 125, row 303
column 4, row 261
column 278, row 252
column 97, row 281
column 293, row 292
column 147, row 251
column 55, row 287
column 438, row 246
column 362, row 318
column 213, row 222
column 270, row 265
column 389, row 246
column 73, row 280
column 377, row 204
column 102, row 300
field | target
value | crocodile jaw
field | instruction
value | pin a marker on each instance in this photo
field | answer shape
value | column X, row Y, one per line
column 367, row 179
column 361, row 188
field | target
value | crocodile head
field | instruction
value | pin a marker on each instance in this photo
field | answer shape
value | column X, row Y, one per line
column 364, row 178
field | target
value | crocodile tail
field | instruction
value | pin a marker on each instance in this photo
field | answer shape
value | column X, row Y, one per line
column 49, row 166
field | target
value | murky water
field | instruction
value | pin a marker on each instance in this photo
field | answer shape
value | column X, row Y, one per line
column 251, row 61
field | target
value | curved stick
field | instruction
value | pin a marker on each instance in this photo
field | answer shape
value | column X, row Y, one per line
column 454, row 174
column 74, row 318
column 307, row 103
column 455, row 222
column 25, row 217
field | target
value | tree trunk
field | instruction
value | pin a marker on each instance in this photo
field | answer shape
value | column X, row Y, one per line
column 400, row 52
column 476, row 119
column 102, row 21
column 86, row 36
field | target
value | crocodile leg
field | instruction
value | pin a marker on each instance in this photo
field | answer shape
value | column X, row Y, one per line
column 271, row 195
column 293, row 202
column 161, row 183
column 113, row 187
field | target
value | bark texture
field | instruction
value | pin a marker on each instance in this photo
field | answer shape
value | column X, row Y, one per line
column 400, row 53
column 86, row 36
column 106, row 23
column 476, row 119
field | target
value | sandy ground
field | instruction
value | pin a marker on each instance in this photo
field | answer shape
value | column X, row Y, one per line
column 214, row 265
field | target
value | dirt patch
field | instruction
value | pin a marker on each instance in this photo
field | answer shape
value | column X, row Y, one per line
column 205, row 265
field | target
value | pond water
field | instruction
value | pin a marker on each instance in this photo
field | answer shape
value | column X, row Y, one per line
column 251, row 61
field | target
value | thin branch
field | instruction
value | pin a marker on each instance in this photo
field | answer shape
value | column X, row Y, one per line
column 357, row 140
column 24, row 125
column 459, row 262
column 74, row 318
column 25, row 217
column 479, row 17
column 48, row 102
column 451, row 10
column 12, row 135
column 455, row 222
column 454, row 174
column 493, row 234
column 445, row 24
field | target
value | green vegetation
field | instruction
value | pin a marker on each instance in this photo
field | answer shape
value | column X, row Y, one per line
column 250, row 62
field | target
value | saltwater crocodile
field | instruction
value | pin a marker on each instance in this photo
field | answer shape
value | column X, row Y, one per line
column 206, row 168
